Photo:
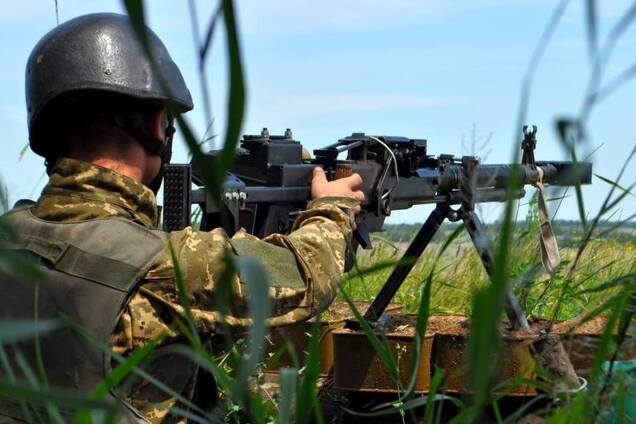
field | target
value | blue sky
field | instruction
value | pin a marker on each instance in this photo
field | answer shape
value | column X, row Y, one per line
column 439, row 69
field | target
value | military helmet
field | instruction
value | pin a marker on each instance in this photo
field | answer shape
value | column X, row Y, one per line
column 96, row 55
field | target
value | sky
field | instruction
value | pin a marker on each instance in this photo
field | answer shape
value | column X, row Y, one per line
column 449, row 71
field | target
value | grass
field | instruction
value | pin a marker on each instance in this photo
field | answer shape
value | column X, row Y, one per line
column 460, row 273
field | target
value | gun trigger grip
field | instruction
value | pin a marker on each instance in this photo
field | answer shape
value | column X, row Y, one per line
column 361, row 235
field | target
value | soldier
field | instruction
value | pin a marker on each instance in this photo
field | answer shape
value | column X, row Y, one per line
column 98, row 115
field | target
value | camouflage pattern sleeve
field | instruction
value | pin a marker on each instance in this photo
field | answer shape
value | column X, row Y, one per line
column 319, row 239
column 304, row 269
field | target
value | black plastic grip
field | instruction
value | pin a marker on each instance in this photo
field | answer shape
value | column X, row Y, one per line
column 177, row 194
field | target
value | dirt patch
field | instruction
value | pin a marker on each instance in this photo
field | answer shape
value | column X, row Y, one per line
column 595, row 326
column 404, row 325
column 459, row 325
column 340, row 311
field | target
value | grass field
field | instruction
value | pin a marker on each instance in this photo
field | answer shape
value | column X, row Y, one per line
column 459, row 272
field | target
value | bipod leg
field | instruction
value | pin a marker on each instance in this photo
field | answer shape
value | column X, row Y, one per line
column 414, row 251
column 482, row 243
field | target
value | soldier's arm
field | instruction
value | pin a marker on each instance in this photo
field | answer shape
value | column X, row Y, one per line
column 304, row 275
column 303, row 271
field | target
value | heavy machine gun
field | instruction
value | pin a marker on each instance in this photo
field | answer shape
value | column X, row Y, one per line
column 269, row 182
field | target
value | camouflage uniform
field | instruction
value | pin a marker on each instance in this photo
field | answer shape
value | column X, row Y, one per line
column 304, row 266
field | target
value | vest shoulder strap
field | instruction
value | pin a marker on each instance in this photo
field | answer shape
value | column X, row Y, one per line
column 115, row 252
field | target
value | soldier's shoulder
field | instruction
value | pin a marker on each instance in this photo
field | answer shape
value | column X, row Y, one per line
column 194, row 249
column 191, row 235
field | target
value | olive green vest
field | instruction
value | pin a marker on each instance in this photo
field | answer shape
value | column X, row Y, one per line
column 91, row 269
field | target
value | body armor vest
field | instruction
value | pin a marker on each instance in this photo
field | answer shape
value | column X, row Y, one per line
column 90, row 269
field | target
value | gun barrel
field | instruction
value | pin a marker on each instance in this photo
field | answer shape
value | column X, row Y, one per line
column 567, row 173
column 556, row 173
column 433, row 185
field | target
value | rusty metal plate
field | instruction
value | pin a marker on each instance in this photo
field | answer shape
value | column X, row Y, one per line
column 296, row 336
column 357, row 367
column 451, row 355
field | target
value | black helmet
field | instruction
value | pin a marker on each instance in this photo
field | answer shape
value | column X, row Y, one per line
column 95, row 55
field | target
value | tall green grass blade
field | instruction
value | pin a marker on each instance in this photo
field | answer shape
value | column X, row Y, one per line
column 420, row 331
column 379, row 347
column 496, row 411
column 615, row 184
column 360, row 273
column 611, row 284
column 488, row 303
column 39, row 361
column 236, row 96
column 533, row 63
column 518, row 413
column 18, row 330
column 400, row 407
column 594, row 93
column 432, row 393
column 63, row 398
column 614, row 84
column 307, row 387
column 182, row 292
column 257, row 407
column 17, row 264
column 287, row 380
column 212, row 174
column 596, row 381
column 202, row 51
column 32, row 379
column 589, row 230
column 10, row 375
column 202, row 358
column 592, row 28
column 317, row 411
column 574, row 409
column 207, row 42
column 484, row 343
column 424, row 312
column 4, row 198
column 253, row 273
column 579, row 193
column 611, row 205
column 124, row 369
column 223, row 289
column 135, row 370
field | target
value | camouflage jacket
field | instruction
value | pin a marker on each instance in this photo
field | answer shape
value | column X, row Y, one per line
column 304, row 266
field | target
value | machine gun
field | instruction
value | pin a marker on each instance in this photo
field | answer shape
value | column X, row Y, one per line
column 269, row 184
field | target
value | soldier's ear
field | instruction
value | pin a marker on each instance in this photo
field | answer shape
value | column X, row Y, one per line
column 156, row 123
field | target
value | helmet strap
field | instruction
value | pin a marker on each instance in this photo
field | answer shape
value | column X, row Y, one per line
column 151, row 144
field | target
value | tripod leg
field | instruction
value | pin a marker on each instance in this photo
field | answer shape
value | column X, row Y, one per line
column 414, row 251
column 482, row 243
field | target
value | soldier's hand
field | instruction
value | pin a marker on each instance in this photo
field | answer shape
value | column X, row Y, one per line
column 344, row 187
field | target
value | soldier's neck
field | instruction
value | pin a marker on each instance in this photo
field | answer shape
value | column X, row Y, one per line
column 133, row 171
column 123, row 155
